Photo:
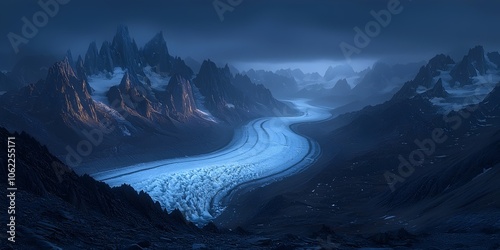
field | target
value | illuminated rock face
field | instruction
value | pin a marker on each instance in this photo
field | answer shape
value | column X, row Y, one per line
column 180, row 99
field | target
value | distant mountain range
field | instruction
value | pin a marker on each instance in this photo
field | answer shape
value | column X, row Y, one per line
column 427, row 158
column 340, row 85
column 125, row 91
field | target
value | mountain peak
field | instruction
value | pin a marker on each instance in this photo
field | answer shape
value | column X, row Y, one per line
column 343, row 70
column 69, row 55
column 472, row 64
column 156, row 53
column 122, row 31
column 476, row 52
column 91, row 59
column 159, row 37
column 426, row 73
column 439, row 62
column 208, row 65
column 61, row 69
column 125, row 51
column 437, row 91
column 179, row 67
column 126, row 82
column 180, row 98
column 342, row 87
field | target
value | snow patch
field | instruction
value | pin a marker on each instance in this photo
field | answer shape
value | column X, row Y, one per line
column 158, row 82
column 102, row 82
column 388, row 217
column 462, row 96
column 421, row 89
column 199, row 100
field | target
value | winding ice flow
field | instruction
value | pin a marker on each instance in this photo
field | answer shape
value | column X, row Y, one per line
column 263, row 151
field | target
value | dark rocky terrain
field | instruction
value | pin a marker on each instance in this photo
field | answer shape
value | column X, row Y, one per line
column 57, row 209
column 400, row 164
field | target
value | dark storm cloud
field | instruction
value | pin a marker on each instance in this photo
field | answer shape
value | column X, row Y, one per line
column 259, row 30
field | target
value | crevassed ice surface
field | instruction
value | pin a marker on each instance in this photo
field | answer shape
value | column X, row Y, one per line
column 263, row 151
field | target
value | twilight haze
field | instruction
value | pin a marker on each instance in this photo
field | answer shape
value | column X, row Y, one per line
column 261, row 34
column 250, row 124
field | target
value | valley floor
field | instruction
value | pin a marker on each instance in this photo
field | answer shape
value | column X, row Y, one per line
column 344, row 202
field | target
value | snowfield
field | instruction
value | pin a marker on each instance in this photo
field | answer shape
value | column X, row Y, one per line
column 102, row 82
column 261, row 152
column 461, row 96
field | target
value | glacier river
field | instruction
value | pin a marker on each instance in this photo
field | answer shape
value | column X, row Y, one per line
column 263, row 151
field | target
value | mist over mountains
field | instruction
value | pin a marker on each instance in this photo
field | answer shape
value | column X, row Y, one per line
column 126, row 92
column 185, row 130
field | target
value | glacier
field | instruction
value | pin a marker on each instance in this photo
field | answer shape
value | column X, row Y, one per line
column 261, row 152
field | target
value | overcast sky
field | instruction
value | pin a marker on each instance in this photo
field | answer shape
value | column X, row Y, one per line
column 261, row 33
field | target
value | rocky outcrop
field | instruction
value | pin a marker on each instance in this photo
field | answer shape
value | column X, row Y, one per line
column 125, row 52
column 281, row 86
column 122, row 52
column 138, row 104
column 179, row 98
column 105, row 58
column 235, row 99
column 42, row 174
column 259, row 99
column 494, row 57
column 425, row 76
column 80, row 71
column 156, row 54
column 92, row 62
column 220, row 95
column 472, row 64
column 60, row 105
column 69, row 95
column 432, row 69
column 437, row 91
